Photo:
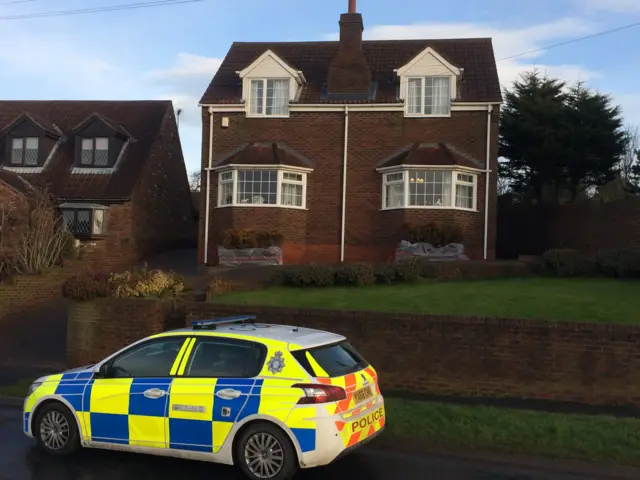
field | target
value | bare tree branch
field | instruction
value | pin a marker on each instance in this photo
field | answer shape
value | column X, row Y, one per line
column 195, row 181
column 630, row 155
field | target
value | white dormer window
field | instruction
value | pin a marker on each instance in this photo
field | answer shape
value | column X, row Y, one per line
column 270, row 97
column 429, row 96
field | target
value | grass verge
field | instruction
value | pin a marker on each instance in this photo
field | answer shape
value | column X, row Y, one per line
column 598, row 300
column 16, row 389
column 569, row 436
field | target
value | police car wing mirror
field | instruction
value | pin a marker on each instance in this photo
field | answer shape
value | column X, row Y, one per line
column 101, row 371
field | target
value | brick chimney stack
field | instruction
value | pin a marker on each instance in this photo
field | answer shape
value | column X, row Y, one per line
column 349, row 72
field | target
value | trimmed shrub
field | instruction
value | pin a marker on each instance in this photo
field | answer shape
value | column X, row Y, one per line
column 618, row 262
column 436, row 235
column 310, row 276
column 87, row 286
column 564, row 262
column 218, row 286
column 144, row 283
column 231, row 239
column 386, row 274
column 356, row 274
column 408, row 270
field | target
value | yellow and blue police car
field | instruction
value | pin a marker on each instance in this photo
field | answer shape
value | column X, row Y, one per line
column 267, row 398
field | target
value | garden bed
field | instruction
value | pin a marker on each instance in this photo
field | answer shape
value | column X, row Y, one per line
column 600, row 300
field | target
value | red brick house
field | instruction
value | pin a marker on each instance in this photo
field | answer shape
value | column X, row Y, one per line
column 115, row 169
column 338, row 144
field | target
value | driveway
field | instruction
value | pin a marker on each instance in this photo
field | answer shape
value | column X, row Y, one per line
column 19, row 460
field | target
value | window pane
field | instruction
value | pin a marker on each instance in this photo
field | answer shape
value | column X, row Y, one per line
column 394, row 177
column 211, row 358
column 414, row 97
column 83, row 222
column 291, row 194
column 429, row 188
column 437, row 96
column 464, row 196
column 394, row 195
column 337, row 360
column 257, row 187
column 465, row 178
column 98, row 222
column 102, row 152
column 257, row 87
column 69, row 218
column 294, row 177
column 31, row 152
column 16, row 150
column 277, row 97
column 86, row 156
column 226, row 176
column 226, row 193
column 151, row 360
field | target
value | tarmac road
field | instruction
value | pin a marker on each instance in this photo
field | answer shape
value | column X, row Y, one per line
column 20, row 460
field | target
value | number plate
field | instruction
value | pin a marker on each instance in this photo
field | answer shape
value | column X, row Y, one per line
column 363, row 394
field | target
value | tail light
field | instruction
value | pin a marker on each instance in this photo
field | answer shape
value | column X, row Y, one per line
column 317, row 393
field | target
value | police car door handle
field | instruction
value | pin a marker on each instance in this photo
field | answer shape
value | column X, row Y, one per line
column 154, row 393
column 228, row 394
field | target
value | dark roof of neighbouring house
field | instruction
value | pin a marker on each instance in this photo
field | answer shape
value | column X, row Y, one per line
column 139, row 119
column 479, row 82
column 15, row 181
column 263, row 153
column 430, row 154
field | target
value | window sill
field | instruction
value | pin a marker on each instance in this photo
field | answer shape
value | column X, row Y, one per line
column 261, row 205
column 473, row 210
column 249, row 115
column 420, row 115
column 84, row 236
column 23, row 168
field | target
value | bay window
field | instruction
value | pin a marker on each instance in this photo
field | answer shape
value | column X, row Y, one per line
column 426, row 188
column 85, row 220
column 264, row 187
column 429, row 96
column 269, row 97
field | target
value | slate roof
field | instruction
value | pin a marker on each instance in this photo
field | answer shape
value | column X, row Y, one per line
column 479, row 82
column 15, row 181
column 140, row 119
column 430, row 154
column 263, row 153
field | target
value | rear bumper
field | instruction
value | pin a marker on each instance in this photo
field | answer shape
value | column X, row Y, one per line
column 337, row 436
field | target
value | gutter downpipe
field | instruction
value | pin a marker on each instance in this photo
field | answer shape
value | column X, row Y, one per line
column 344, row 181
column 208, row 194
column 486, row 183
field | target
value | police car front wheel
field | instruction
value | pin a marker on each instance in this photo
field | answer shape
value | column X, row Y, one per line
column 55, row 429
column 265, row 452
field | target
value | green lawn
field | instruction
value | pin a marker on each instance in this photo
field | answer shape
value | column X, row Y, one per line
column 588, row 300
column 16, row 389
column 586, row 437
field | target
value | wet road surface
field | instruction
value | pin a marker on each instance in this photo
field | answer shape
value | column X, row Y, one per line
column 19, row 460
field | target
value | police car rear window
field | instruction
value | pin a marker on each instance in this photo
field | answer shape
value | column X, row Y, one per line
column 336, row 360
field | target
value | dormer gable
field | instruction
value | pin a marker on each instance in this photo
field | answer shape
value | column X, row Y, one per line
column 28, row 142
column 99, row 143
column 269, row 84
column 428, row 84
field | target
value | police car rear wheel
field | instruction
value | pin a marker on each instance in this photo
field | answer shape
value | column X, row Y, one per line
column 265, row 452
column 55, row 430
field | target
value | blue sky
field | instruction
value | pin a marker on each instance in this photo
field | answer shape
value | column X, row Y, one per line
column 172, row 52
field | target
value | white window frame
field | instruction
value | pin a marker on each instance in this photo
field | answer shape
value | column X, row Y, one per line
column 454, row 187
column 92, row 208
column 423, row 97
column 223, row 178
column 265, row 83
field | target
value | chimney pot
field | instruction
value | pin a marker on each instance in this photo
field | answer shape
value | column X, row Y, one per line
column 352, row 6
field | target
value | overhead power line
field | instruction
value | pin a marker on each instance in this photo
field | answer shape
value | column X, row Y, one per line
column 575, row 40
column 113, row 8
column 13, row 2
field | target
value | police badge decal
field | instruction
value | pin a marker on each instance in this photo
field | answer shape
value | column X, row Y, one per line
column 276, row 363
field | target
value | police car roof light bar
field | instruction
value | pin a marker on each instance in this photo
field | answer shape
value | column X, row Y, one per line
column 213, row 324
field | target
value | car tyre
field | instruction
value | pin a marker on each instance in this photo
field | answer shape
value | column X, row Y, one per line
column 56, row 430
column 265, row 452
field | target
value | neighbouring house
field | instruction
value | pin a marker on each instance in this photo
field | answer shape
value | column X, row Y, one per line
column 114, row 168
column 337, row 145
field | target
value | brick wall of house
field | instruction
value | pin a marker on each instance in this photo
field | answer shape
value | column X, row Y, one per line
column 314, row 234
column 162, row 211
column 585, row 225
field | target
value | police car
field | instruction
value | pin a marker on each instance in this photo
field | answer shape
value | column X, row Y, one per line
column 269, row 399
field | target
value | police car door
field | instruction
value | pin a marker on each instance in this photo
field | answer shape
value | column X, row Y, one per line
column 128, row 403
column 214, row 390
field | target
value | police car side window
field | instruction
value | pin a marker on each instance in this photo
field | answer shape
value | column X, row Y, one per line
column 225, row 359
column 151, row 359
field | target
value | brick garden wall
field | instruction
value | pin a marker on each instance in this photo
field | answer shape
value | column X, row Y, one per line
column 585, row 225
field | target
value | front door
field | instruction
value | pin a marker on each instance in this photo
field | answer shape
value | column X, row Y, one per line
column 214, row 391
column 129, row 405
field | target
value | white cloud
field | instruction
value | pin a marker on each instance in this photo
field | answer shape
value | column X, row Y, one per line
column 614, row 6
column 188, row 65
column 506, row 42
